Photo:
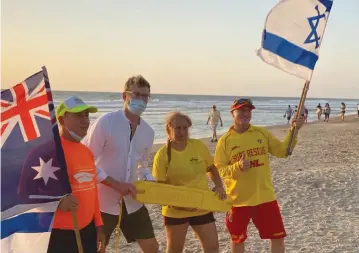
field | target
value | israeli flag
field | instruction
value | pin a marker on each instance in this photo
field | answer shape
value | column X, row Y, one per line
column 293, row 34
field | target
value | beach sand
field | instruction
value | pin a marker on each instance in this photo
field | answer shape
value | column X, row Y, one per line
column 317, row 189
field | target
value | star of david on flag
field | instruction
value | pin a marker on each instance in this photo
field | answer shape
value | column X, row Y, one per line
column 33, row 169
column 293, row 34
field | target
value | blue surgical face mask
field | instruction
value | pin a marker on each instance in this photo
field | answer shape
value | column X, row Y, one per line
column 136, row 106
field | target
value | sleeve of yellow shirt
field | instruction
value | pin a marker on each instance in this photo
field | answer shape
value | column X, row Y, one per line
column 159, row 171
column 276, row 147
column 222, row 162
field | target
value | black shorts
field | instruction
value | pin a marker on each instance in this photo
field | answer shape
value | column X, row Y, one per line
column 288, row 118
column 193, row 221
column 134, row 226
column 62, row 240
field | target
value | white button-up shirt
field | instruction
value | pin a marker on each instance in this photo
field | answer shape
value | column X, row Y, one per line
column 119, row 157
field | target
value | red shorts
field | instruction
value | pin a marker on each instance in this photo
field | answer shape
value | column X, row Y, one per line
column 266, row 217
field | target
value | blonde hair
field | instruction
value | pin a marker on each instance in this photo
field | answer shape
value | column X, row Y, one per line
column 169, row 122
column 138, row 80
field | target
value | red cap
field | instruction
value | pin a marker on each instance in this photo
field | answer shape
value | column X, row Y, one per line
column 238, row 104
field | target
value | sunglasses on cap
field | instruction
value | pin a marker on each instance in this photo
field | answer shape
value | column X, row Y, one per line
column 238, row 103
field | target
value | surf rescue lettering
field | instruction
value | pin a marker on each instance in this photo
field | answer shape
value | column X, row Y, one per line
column 249, row 154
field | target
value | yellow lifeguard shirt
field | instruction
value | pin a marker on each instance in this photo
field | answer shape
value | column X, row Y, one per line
column 254, row 186
column 187, row 168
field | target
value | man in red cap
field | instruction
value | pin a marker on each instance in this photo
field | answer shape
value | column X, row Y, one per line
column 242, row 158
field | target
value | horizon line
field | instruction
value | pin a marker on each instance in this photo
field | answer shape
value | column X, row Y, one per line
column 211, row 95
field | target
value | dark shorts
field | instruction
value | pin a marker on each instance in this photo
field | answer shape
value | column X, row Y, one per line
column 266, row 217
column 62, row 240
column 288, row 118
column 193, row 221
column 134, row 226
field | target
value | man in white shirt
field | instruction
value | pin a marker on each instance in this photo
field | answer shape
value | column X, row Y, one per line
column 214, row 118
column 121, row 142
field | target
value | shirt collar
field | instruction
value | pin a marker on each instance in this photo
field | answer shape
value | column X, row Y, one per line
column 124, row 115
column 250, row 129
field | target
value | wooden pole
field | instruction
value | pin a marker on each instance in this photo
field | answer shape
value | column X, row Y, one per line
column 77, row 233
column 294, row 130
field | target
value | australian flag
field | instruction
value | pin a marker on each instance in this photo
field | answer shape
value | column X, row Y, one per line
column 33, row 169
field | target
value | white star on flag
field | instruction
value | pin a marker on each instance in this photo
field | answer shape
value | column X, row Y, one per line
column 45, row 170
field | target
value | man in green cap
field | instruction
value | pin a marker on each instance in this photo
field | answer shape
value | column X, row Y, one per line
column 73, row 117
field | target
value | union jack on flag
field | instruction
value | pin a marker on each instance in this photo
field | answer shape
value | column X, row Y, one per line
column 22, row 105
column 33, row 168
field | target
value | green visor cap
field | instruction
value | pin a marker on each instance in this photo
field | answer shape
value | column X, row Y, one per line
column 73, row 104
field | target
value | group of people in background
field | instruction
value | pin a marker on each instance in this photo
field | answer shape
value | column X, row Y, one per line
column 326, row 111
column 214, row 116
column 115, row 151
column 289, row 113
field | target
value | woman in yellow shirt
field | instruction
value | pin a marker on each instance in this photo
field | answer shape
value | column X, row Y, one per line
column 186, row 162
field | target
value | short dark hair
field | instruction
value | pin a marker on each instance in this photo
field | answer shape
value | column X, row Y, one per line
column 139, row 80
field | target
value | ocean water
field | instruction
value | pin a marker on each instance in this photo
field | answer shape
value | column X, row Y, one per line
column 269, row 110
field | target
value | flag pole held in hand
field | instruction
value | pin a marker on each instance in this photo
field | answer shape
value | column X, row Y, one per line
column 294, row 130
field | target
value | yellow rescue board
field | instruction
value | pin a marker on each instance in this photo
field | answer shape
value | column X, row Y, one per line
column 156, row 193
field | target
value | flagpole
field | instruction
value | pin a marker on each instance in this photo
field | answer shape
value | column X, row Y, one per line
column 77, row 232
column 294, row 130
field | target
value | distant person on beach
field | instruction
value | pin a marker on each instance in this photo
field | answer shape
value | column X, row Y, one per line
column 242, row 158
column 327, row 111
column 306, row 112
column 121, row 142
column 214, row 118
column 358, row 109
column 186, row 162
column 296, row 111
column 342, row 111
column 319, row 111
column 302, row 111
column 288, row 113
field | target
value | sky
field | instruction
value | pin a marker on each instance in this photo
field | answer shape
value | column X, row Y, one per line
column 181, row 47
